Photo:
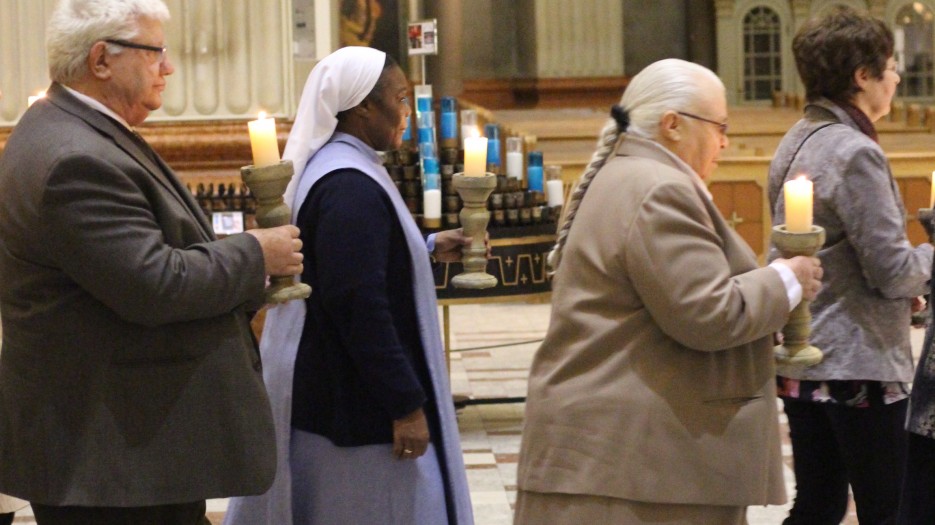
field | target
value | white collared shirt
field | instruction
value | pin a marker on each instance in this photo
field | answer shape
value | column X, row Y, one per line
column 96, row 104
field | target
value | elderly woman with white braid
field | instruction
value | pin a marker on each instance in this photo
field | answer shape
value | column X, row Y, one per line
column 356, row 373
column 652, row 398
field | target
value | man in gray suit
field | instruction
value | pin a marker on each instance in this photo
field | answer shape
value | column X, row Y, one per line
column 130, row 383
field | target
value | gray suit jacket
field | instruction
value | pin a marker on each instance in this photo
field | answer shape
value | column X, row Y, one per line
column 655, row 381
column 860, row 319
column 129, row 375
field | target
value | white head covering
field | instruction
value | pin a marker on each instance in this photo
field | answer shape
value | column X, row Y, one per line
column 337, row 83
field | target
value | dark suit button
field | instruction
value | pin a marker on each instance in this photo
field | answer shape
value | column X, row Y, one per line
column 258, row 365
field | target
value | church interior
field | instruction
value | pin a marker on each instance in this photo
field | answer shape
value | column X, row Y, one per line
column 544, row 72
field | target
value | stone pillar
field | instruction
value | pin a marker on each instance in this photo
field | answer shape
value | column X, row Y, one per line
column 729, row 54
column 446, row 70
column 700, row 21
column 415, row 12
column 579, row 39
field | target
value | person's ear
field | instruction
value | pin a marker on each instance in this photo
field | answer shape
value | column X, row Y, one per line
column 99, row 61
column 862, row 76
column 670, row 126
column 365, row 106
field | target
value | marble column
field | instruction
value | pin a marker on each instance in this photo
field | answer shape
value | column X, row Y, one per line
column 579, row 39
column 446, row 70
column 416, row 12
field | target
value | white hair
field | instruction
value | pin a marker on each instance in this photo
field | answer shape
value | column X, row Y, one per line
column 669, row 84
column 666, row 85
column 76, row 25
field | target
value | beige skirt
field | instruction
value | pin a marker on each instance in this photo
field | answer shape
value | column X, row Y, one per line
column 536, row 508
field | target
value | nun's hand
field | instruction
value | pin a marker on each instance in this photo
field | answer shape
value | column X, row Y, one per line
column 410, row 435
column 448, row 245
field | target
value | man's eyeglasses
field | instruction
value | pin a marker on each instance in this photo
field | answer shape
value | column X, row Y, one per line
column 144, row 47
column 722, row 126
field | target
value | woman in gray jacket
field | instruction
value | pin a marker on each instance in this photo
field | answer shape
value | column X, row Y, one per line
column 846, row 415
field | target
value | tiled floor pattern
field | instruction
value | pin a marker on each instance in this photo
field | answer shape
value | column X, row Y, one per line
column 491, row 433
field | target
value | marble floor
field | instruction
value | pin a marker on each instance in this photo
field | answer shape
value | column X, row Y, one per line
column 494, row 345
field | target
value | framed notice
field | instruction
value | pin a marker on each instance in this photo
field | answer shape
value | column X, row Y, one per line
column 227, row 222
column 422, row 37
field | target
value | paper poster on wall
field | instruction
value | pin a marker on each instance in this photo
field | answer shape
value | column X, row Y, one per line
column 227, row 222
column 423, row 39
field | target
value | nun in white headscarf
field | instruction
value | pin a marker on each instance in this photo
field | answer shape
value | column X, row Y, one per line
column 366, row 431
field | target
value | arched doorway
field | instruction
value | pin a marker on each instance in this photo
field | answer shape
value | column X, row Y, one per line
column 914, row 39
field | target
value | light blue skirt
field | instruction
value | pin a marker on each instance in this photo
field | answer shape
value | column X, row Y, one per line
column 363, row 485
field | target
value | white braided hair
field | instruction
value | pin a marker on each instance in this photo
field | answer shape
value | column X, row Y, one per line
column 669, row 84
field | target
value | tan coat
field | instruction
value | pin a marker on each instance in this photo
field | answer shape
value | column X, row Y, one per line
column 10, row 504
column 655, row 380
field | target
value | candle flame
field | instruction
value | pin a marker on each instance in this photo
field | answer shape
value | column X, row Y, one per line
column 261, row 115
column 475, row 132
column 32, row 99
column 801, row 177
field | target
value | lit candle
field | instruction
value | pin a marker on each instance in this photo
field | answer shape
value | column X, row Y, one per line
column 263, row 140
column 798, row 201
column 31, row 100
column 475, row 156
column 932, row 197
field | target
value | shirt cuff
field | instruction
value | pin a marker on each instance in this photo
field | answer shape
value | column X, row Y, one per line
column 430, row 242
column 793, row 288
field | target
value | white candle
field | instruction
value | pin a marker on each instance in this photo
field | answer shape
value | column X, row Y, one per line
column 432, row 204
column 555, row 192
column 263, row 140
column 31, row 100
column 475, row 156
column 514, row 164
column 798, row 201
column 932, row 197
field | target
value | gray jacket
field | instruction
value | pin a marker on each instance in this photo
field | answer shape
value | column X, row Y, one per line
column 861, row 316
column 129, row 376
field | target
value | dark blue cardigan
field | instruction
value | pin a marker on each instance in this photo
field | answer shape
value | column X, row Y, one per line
column 360, row 362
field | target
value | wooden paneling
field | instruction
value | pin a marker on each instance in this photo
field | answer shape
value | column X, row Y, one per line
column 545, row 92
column 741, row 204
column 915, row 193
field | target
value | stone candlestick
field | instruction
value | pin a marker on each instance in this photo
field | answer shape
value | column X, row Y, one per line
column 268, row 184
column 796, row 349
column 474, row 217
column 925, row 217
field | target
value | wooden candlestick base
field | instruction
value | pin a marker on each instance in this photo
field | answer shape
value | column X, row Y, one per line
column 268, row 183
column 796, row 349
column 474, row 218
